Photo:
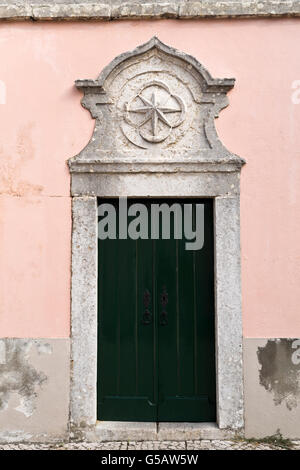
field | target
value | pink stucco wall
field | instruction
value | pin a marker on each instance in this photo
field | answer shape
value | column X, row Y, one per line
column 43, row 124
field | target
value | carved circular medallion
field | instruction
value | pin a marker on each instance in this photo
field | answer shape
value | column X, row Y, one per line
column 154, row 111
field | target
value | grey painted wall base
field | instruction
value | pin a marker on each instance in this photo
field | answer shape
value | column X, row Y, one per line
column 272, row 387
column 110, row 9
column 34, row 389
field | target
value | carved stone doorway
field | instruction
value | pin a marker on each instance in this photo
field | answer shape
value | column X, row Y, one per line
column 155, row 137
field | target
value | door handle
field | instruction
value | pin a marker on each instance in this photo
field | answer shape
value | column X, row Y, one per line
column 147, row 316
column 164, row 299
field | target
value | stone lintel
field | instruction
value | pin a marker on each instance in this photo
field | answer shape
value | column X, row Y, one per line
column 113, row 10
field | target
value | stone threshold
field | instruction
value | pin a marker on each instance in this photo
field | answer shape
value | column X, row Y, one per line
column 135, row 10
column 110, row 431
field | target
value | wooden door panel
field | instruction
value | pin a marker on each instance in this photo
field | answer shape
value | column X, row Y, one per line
column 126, row 353
column 156, row 328
column 186, row 343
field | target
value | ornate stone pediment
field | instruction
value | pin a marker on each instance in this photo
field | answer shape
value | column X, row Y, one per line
column 154, row 105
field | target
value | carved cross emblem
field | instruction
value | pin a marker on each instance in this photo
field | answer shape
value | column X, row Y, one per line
column 155, row 104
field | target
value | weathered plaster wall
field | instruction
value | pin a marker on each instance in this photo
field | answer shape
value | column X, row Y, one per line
column 43, row 124
column 35, row 265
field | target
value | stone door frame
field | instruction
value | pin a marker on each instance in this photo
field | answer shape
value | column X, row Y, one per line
column 228, row 331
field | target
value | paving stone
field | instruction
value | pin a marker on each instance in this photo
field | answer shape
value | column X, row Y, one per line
column 150, row 445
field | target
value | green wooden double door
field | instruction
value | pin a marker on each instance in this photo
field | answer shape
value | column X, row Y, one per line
column 156, row 354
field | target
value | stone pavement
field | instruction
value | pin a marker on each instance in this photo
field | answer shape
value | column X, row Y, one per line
column 159, row 445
